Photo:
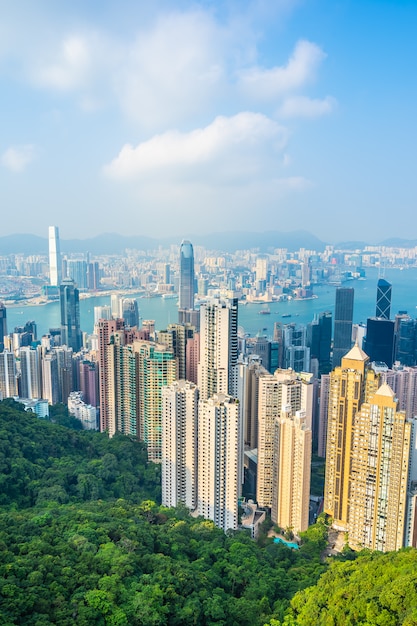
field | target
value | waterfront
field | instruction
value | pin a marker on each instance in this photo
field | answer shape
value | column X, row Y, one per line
column 164, row 311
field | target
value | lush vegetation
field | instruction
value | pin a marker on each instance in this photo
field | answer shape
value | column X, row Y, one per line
column 42, row 462
column 84, row 541
column 375, row 589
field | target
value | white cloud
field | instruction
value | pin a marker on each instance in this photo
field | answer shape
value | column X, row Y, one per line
column 302, row 106
column 173, row 70
column 16, row 158
column 230, row 147
column 269, row 84
column 72, row 67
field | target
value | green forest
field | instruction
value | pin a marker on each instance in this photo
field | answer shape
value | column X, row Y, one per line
column 84, row 540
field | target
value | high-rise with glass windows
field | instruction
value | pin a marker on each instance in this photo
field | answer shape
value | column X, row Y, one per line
column 54, row 257
column 3, row 325
column 343, row 317
column 383, row 299
column 186, row 295
column 70, row 315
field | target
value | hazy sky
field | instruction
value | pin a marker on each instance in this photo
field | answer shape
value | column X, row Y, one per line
column 180, row 117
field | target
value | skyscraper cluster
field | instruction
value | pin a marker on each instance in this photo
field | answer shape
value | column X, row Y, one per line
column 226, row 414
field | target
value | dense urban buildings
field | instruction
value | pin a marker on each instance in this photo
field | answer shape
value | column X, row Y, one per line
column 226, row 412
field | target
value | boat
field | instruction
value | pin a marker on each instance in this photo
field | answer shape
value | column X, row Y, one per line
column 265, row 311
column 286, row 315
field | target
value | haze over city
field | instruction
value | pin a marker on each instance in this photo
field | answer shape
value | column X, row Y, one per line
column 201, row 117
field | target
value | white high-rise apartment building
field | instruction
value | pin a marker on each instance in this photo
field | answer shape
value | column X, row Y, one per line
column 217, row 368
column 30, row 373
column 55, row 276
column 281, row 394
column 219, row 460
column 8, row 377
column 179, row 444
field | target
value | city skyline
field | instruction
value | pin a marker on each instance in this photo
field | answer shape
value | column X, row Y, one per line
column 245, row 115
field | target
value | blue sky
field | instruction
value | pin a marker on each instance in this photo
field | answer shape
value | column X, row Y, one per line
column 164, row 118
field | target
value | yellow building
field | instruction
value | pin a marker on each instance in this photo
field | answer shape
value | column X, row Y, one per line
column 290, row 503
column 351, row 384
column 379, row 474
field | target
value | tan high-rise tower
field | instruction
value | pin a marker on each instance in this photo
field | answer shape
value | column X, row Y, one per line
column 379, row 474
column 351, row 384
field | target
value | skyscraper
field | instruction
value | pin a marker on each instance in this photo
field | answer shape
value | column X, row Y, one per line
column 379, row 341
column 130, row 312
column 218, row 348
column 104, row 329
column 8, row 375
column 219, row 460
column 3, row 325
column 179, row 444
column 290, row 504
column 351, row 384
column 383, row 299
column 30, row 373
column 281, row 394
column 156, row 368
column 122, row 397
column 379, row 472
column 70, row 315
column 54, row 257
column 343, row 317
column 186, row 296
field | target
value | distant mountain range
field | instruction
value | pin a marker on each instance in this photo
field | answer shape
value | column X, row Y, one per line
column 112, row 243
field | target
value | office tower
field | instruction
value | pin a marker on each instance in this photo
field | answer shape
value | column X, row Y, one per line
column 50, row 382
column 176, row 337
column 179, row 444
column 167, row 274
column 3, row 325
column 319, row 340
column 55, row 275
column 291, row 498
column 8, row 375
column 219, row 460
column 102, row 313
column 379, row 473
column 130, row 312
column 351, row 384
column 379, row 341
column 383, row 299
column 93, row 276
column 279, row 394
column 343, row 316
column 116, row 306
column 156, row 368
column 261, row 268
column 89, row 382
column 122, row 396
column 323, row 414
column 105, row 328
column 70, row 315
column 77, row 271
column 406, row 341
column 296, row 353
column 186, row 295
column 30, row 373
column 218, row 348
column 192, row 358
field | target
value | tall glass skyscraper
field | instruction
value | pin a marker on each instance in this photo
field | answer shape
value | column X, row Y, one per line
column 343, row 316
column 383, row 299
column 186, row 299
column 55, row 274
column 3, row 325
column 70, row 315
